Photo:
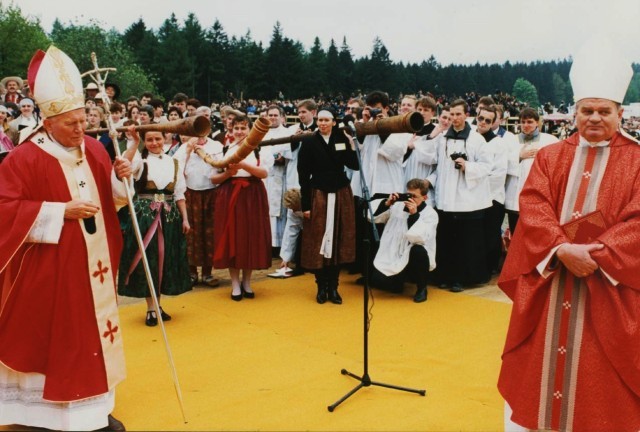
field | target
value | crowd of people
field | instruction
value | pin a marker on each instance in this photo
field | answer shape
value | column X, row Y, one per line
column 438, row 202
column 196, row 218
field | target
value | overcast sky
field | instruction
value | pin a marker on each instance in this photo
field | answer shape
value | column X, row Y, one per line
column 454, row 31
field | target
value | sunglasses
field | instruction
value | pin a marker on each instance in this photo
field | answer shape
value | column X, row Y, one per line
column 484, row 120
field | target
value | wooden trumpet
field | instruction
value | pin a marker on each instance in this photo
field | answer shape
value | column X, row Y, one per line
column 410, row 122
column 249, row 144
column 196, row 126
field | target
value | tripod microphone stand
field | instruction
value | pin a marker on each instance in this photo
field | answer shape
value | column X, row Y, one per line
column 365, row 379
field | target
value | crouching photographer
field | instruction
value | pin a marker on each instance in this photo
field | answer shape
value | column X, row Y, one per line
column 408, row 244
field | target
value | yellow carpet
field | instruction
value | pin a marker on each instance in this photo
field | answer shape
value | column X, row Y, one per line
column 273, row 363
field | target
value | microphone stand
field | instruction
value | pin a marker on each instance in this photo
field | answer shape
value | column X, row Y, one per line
column 365, row 379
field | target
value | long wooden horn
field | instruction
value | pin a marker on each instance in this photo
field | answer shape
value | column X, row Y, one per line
column 410, row 122
column 249, row 144
column 195, row 126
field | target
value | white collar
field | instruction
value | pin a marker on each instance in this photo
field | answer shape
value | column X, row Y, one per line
column 584, row 143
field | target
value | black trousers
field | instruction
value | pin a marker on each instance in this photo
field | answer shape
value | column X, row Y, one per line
column 416, row 271
column 461, row 248
column 493, row 218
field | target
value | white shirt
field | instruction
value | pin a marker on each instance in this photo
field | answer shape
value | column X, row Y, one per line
column 197, row 172
column 524, row 167
column 458, row 191
column 275, row 182
column 161, row 171
column 398, row 239
column 381, row 165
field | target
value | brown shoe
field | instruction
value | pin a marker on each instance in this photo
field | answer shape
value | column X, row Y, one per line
column 114, row 425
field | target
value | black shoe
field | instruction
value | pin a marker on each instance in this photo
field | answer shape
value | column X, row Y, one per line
column 321, row 297
column 236, row 297
column 444, row 286
column 361, row 280
column 456, row 288
column 421, row 295
column 151, row 320
column 194, row 279
column 296, row 272
column 165, row 316
column 114, row 425
column 334, row 297
column 248, row 294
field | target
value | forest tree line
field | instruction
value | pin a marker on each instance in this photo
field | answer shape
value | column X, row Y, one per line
column 208, row 64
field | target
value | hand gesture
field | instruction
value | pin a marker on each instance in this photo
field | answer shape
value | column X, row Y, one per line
column 122, row 168
column 577, row 258
column 79, row 209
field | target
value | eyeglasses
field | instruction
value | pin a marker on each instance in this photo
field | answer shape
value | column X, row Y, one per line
column 484, row 120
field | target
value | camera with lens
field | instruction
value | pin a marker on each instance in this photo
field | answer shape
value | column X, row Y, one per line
column 373, row 112
column 456, row 155
column 404, row 197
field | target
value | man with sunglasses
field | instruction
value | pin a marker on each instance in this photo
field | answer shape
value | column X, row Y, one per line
column 494, row 215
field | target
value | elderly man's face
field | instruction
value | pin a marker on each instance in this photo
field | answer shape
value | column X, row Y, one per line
column 68, row 128
column 597, row 119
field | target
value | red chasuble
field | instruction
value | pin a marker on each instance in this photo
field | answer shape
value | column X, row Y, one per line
column 48, row 323
column 572, row 356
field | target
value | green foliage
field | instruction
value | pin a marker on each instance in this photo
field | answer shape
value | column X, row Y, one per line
column 524, row 91
column 633, row 93
column 560, row 89
column 20, row 37
column 208, row 65
column 79, row 41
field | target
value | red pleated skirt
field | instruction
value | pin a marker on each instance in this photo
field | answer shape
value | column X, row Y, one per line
column 242, row 232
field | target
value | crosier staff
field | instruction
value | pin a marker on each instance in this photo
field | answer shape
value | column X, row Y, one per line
column 96, row 75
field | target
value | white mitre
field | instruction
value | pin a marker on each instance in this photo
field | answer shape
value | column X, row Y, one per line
column 600, row 70
column 55, row 82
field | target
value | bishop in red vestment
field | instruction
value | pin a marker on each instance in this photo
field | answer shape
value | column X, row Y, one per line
column 571, row 360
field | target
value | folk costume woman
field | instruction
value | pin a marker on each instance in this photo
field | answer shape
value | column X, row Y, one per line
column 328, row 236
column 200, row 199
column 242, row 230
column 162, row 217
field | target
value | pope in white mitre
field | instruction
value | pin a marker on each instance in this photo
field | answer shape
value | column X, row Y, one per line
column 61, row 353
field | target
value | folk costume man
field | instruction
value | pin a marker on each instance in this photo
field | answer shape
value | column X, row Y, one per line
column 571, row 360
column 13, row 85
column 61, row 353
